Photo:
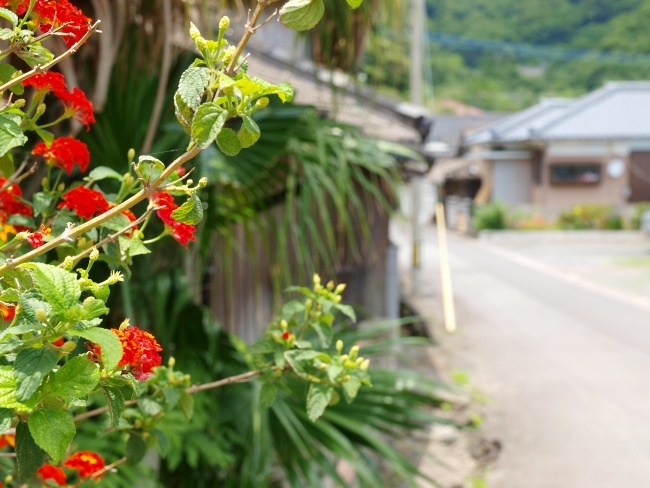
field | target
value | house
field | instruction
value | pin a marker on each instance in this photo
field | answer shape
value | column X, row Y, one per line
column 561, row 152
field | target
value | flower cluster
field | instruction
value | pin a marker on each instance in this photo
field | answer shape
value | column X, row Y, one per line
column 86, row 463
column 140, row 351
column 35, row 239
column 48, row 82
column 64, row 153
column 182, row 232
column 52, row 14
column 85, row 202
column 10, row 203
column 54, row 473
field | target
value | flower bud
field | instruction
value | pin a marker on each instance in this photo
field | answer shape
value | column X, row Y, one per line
column 364, row 365
column 262, row 102
column 340, row 288
column 94, row 254
column 68, row 263
column 171, row 362
column 224, row 23
column 137, row 423
column 354, row 350
column 358, row 361
column 20, row 103
column 40, row 110
column 68, row 346
column 130, row 155
column 61, row 187
column 339, row 345
column 316, row 279
column 114, row 277
column 125, row 323
column 203, row 182
column 318, row 287
column 194, row 32
column 283, row 324
column 308, row 304
column 128, row 179
column 21, row 236
column 322, row 366
column 41, row 315
column 8, row 479
column 330, row 285
column 337, row 299
column 346, row 378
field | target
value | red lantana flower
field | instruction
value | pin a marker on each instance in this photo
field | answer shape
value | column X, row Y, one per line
column 64, row 153
column 86, row 463
column 85, row 202
column 48, row 82
column 54, row 13
column 140, row 351
column 59, row 342
column 7, row 440
column 49, row 472
column 182, row 232
column 8, row 312
column 10, row 203
column 79, row 106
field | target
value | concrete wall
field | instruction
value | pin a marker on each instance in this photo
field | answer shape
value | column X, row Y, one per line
column 511, row 181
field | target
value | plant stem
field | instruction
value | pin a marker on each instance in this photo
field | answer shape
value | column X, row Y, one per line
column 250, row 30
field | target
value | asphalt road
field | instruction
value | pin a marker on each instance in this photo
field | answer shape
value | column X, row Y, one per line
column 565, row 364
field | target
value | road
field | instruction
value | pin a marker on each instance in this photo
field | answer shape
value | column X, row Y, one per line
column 565, row 364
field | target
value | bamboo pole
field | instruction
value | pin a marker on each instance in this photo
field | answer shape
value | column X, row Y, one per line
column 445, row 273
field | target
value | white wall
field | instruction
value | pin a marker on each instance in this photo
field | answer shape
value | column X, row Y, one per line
column 511, row 183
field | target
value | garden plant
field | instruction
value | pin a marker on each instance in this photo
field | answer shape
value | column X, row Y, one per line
column 55, row 348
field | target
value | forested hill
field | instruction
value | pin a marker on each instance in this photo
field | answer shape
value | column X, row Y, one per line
column 466, row 64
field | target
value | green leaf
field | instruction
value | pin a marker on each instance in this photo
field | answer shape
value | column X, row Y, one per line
column 318, row 398
column 46, row 135
column 8, row 72
column 9, row 15
column 302, row 15
column 32, row 366
column 207, row 123
column 192, row 85
column 300, row 360
column 102, row 173
column 249, row 133
column 115, row 403
column 324, row 331
column 267, row 394
column 133, row 246
column 136, row 448
column 161, row 440
column 29, row 456
column 172, row 396
column 150, row 407
column 36, row 54
column 42, row 202
column 292, row 308
column 6, row 417
column 347, row 310
column 117, row 223
column 76, row 378
column 7, row 165
column 228, row 142
column 93, row 308
column 107, row 340
column 284, row 91
column 23, row 220
column 184, row 114
column 186, row 404
column 11, row 135
column 354, row 3
column 8, row 389
column 6, row 34
column 280, row 360
column 53, row 431
column 58, row 286
column 351, row 388
column 191, row 212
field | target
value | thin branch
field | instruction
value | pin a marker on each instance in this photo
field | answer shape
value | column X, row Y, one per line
column 250, row 30
column 40, row 69
column 13, row 179
column 8, row 454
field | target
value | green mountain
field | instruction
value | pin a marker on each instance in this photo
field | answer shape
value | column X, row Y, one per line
column 505, row 54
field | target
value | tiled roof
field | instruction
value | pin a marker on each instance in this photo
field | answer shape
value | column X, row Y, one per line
column 618, row 110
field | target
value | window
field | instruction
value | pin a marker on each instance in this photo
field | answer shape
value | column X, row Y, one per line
column 579, row 174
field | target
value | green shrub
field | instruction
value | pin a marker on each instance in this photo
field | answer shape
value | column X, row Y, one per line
column 592, row 216
column 491, row 216
column 637, row 216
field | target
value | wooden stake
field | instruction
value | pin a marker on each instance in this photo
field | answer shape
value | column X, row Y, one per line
column 445, row 273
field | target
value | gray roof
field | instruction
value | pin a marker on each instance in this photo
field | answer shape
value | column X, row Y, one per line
column 618, row 110
column 447, row 132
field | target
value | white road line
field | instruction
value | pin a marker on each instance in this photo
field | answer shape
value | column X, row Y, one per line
column 568, row 277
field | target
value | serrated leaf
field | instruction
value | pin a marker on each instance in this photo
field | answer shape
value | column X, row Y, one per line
column 8, row 72
column 184, row 114
column 8, row 397
column 6, row 34
column 115, row 403
column 249, row 133
column 10, row 135
column 351, row 388
column 9, row 15
column 284, row 91
column 228, row 142
column 186, row 404
column 267, row 394
column 29, row 456
column 58, row 286
column 302, row 15
column 107, row 340
column 93, row 308
column 354, row 3
column 191, row 212
column 208, row 123
column 76, row 378
column 52, row 431
column 136, row 448
column 32, row 366
column 41, row 202
column 35, row 54
column 6, row 417
column 102, row 173
column 318, row 398
column 192, row 85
